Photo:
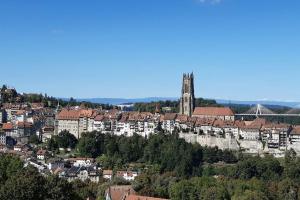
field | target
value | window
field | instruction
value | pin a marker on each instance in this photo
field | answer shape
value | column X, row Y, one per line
column 186, row 88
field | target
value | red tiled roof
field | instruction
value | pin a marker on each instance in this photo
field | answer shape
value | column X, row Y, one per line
column 182, row 118
column 170, row 116
column 223, row 123
column 239, row 124
column 213, row 111
column 204, row 122
column 99, row 118
column 20, row 112
column 41, row 152
column 66, row 114
column 296, row 130
column 120, row 192
column 276, row 126
column 24, row 125
column 7, row 126
column 136, row 197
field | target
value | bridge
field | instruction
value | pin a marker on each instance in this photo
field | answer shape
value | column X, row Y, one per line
column 261, row 111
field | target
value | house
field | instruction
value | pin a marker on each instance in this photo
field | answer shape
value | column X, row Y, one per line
column 107, row 174
column 52, row 166
column 181, row 122
column 168, row 122
column 18, row 147
column 214, row 113
column 81, row 173
column 47, row 133
column 9, row 129
column 277, row 134
column 127, row 175
column 101, row 123
column 20, row 116
column 41, row 154
column 76, row 121
column 3, row 138
column 24, row 129
column 119, row 192
column 252, row 131
column 81, row 162
column 295, row 135
column 204, row 125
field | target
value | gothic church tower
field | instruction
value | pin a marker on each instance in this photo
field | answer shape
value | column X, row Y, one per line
column 187, row 101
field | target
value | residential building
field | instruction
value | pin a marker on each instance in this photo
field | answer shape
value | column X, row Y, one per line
column 74, row 121
column 253, row 130
column 295, row 135
column 214, row 113
column 81, row 173
column 41, row 154
column 107, row 174
column 277, row 135
column 3, row 138
column 127, row 175
column 168, row 122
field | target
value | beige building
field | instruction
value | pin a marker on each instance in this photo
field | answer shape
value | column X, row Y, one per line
column 74, row 121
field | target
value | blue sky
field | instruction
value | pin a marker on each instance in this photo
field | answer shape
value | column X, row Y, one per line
column 238, row 49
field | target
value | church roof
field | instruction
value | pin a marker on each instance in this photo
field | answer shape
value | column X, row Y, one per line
column 213, row 111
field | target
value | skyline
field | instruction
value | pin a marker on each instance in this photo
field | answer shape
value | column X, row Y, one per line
column 134, row 49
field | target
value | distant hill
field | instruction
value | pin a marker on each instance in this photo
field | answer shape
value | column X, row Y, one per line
column 271, row 103
column 117, row 101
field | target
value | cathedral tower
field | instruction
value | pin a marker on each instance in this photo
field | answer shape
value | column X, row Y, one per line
column 187, row 101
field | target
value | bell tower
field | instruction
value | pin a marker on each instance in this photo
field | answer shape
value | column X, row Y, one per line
column 187, row 101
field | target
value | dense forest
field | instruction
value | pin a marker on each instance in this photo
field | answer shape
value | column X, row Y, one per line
column 169, row 167
column 178, row 170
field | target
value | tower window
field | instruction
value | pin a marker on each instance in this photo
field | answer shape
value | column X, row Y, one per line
column 186, row 88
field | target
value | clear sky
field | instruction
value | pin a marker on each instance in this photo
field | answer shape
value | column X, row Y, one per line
column 237, row 49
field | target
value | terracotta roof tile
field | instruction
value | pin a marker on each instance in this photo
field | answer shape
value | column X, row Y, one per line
column 170, row 116
column 136, row 197
column 213, row 111
column 204, row 122
column 66, row 114
column 296, row 130
column 120, row 192
column 7, row 126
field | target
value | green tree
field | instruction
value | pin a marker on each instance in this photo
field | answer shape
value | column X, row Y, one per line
column 26, row 184
column 59, row 189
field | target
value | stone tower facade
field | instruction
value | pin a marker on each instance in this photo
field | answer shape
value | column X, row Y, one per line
column 187, row 101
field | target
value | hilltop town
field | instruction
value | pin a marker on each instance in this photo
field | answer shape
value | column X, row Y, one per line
column 56, row 137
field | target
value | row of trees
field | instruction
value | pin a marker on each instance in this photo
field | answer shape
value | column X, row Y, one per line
column 174, row 105
column 12, row 96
